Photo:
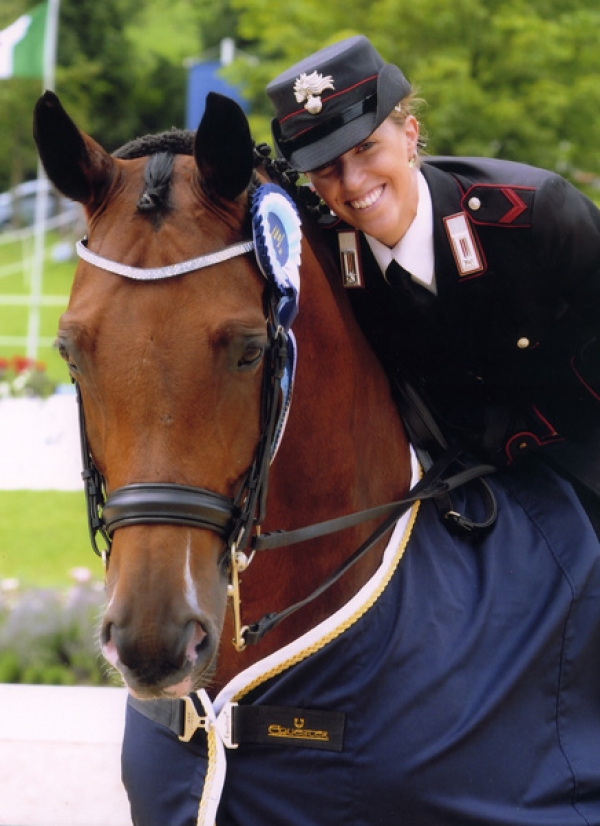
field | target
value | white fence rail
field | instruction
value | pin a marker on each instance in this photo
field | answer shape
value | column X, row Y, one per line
column 69, row 221
column 60, row 759
column 39, row 445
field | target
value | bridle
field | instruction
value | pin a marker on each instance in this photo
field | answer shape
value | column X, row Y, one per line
column 276, row 243
column 148, row 503
column 237, row 521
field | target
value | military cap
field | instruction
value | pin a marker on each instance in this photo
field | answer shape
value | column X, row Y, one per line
column 333, row 100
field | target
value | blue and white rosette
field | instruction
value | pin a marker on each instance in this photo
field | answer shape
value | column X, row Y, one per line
column 277, row 244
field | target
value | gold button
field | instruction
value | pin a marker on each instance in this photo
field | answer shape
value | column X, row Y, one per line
column 474, row 204
column 523, row 343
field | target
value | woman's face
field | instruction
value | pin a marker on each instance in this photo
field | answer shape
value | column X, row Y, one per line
column 372, row 187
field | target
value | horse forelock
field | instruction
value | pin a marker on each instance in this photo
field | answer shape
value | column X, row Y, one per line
column 160, row 151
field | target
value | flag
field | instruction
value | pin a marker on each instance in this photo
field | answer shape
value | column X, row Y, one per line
column 22, row 45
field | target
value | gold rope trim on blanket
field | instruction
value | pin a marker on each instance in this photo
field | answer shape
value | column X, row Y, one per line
column 343, row 626
column 302, row 655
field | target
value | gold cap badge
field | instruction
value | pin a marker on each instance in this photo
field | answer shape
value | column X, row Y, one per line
column 309, row 88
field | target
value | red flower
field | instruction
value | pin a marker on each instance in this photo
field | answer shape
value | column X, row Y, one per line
column 21, row 363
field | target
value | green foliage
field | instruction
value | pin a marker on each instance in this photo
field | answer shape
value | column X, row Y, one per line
column 120, row 72
column 18, row 161
column 516, row 79
column 49, row 603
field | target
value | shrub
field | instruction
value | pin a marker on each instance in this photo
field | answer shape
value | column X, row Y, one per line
column 50, row 637
column 22, row 376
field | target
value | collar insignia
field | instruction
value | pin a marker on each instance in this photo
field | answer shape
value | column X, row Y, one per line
column 309, row 88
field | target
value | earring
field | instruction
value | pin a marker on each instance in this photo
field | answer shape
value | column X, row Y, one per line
column 411, row 162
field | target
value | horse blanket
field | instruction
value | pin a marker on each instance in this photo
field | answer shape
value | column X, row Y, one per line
column 462, row 684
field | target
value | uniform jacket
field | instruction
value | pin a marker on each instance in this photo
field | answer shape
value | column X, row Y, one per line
column 507, row 355
column 467, row 674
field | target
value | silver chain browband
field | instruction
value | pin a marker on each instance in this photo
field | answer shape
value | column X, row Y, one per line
column 154, row 273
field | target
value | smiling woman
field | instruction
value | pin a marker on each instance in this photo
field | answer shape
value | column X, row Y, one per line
column 477, row 278
column 367, row 187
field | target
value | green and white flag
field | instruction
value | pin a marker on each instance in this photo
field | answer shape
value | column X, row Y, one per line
column 22, row 45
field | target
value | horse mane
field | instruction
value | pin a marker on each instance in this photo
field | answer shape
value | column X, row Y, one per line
column 174, row 142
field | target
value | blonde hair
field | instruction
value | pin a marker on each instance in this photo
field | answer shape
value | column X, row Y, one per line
column 410, row 105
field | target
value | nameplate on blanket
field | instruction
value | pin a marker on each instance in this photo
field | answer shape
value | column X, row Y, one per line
column 284, row 726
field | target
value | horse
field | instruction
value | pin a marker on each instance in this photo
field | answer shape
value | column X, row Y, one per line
column 233, row 419
column 181, row 403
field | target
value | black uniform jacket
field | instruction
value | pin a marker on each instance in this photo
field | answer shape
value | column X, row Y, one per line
column 507, row 355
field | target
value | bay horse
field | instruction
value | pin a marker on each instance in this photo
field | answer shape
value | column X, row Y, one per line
column 410, row 674
column 170, row 375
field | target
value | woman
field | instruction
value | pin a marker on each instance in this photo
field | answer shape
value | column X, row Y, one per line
column 468, row 692
column 480, row 278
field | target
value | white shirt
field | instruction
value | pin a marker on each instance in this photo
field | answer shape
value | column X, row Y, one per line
column 414, row 251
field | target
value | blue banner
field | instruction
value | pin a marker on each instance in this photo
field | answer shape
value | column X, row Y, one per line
column 202, row 79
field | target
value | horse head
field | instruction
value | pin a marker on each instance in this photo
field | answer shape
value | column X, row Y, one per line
column 171, row 370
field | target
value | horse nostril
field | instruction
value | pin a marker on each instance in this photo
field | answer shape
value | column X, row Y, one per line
column 106, row 633
column 197, row 637
column 109, row 648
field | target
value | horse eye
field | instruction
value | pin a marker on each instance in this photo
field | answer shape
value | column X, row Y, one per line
column 71, row 366
column 252, row 356
column 65, row 356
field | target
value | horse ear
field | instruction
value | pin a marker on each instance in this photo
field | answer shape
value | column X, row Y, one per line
column 224, row 150
column 77, row 166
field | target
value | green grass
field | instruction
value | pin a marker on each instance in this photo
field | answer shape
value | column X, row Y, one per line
column 43, row 535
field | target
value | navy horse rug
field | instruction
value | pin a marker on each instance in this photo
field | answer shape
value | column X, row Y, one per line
column 461, row 685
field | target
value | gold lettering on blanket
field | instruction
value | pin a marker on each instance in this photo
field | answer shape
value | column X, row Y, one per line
column 298, row 733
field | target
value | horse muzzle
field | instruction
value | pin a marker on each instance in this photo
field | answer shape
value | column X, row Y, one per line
column 171, row 663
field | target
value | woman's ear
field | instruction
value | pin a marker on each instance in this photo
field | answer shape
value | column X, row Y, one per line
column 411, row 130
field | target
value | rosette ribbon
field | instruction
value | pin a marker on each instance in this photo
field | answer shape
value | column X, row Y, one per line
column 277, row 244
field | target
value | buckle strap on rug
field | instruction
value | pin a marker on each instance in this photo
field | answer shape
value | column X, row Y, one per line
column 238, row 725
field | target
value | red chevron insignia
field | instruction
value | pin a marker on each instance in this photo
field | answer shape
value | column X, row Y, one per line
column 518, row 206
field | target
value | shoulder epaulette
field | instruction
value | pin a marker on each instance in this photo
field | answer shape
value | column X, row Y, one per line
column 499, row 205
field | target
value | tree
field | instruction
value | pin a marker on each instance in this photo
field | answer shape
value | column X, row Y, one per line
column 515, row 79
column 96, row 74
column 18, row 160
column 115, row 83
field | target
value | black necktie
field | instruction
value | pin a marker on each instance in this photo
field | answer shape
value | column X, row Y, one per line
column 417, row 297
